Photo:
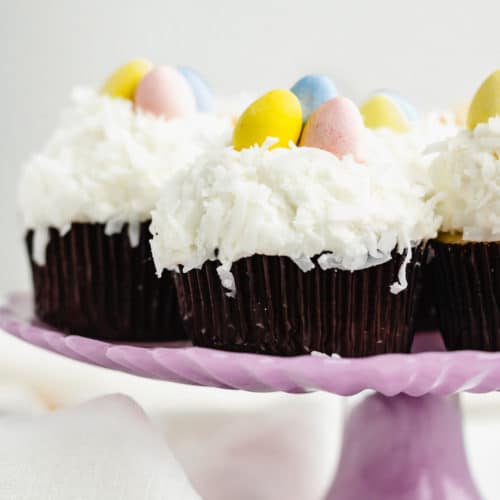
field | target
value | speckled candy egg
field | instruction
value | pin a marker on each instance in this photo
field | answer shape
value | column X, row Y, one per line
column 336, row 126
column 312, row 91
column 486, row 102
column 406, row 106
column 276, row 114
column 387, row 109
column 123, row 82
column 205, row 101
column 165, row 92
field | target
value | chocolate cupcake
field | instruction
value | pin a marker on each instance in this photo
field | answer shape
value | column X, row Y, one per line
column 85, row 203
column 466, row 264
column 290, row 251
column 467, row 283
column 99, row 285
column 399, row 130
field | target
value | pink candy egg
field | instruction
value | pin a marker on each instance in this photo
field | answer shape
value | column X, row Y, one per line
column 336, row 126
column 165, row 92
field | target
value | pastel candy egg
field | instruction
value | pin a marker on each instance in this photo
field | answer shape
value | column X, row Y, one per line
column 276, row 114
column 380, row 111
column 205, row 100
column 312, row 91
column 406, row 107
column 336, row 126
column 486, row 102
column 165, row 92
column 123, row 82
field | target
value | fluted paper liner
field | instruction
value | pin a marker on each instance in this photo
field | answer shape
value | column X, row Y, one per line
column 100, row 286
column 467, row 282
column 278, row 309
column 426, row 316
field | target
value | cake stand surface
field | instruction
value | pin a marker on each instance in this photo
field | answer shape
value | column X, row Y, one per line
column 404, row 442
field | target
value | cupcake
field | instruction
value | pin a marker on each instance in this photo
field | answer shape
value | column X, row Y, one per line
column 398, row 128
column 287, row 250
column 85, row 202
column 466, row 264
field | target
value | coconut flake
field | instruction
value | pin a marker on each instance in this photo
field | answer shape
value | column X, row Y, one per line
column 227, row 280
column 402, row 283
column 64, row 229
column 113, row 226
column 304, row 263
column 134, row 233
column 41, row 238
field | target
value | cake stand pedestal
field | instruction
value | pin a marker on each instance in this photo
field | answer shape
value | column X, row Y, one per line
column 403, row 442
column 404, row 448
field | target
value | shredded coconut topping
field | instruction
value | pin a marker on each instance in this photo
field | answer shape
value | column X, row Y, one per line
column 466, row 180
column 107, row 162
column 299, row 202
column 407, row 148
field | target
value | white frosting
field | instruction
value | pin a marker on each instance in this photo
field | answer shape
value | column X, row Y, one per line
column 432, row 127
column 298, row 202
column 407, row 148
column 106, row 163
column 466, row 177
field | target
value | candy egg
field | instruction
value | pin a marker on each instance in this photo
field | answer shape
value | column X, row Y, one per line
column 336, row 126
column 312, row 91
column 165, row 92
column 406, row 107
column 275, row 114
column 205, row 101
column 380, row 111
column 486, row 102
column 123, row 82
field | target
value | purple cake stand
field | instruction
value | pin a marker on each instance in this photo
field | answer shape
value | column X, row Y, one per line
column 404, row 442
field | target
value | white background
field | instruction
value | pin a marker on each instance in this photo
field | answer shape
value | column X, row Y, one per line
column 435, row 52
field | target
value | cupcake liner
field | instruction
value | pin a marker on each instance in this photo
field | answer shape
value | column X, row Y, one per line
column 467, row 282
column 426, row 317
column 278, row 309
column 100, row 286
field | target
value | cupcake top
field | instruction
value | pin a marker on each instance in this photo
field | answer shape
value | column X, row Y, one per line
column 404, row 134
column 466, row 173
column 341, row 199
column 106, row 162
column 114, row 149
column 432, row 127
column 466, row 178
column 300, row 202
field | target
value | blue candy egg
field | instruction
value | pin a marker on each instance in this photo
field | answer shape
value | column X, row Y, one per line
column 205, row 100
column 408, row 109
column 312, row 91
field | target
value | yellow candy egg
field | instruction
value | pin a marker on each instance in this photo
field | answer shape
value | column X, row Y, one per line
column 275, row 114
column 486, row 103
column 123, row 82
column 379, row 111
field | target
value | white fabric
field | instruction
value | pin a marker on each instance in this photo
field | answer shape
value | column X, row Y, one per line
column 18, row 398
column 233, row 445
column 286, row 450
column 104, row 449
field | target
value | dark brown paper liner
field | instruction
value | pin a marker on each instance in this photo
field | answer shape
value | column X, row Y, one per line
column 100, row 286
column 467, row 282
column 278, row 309
column 426, row 317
